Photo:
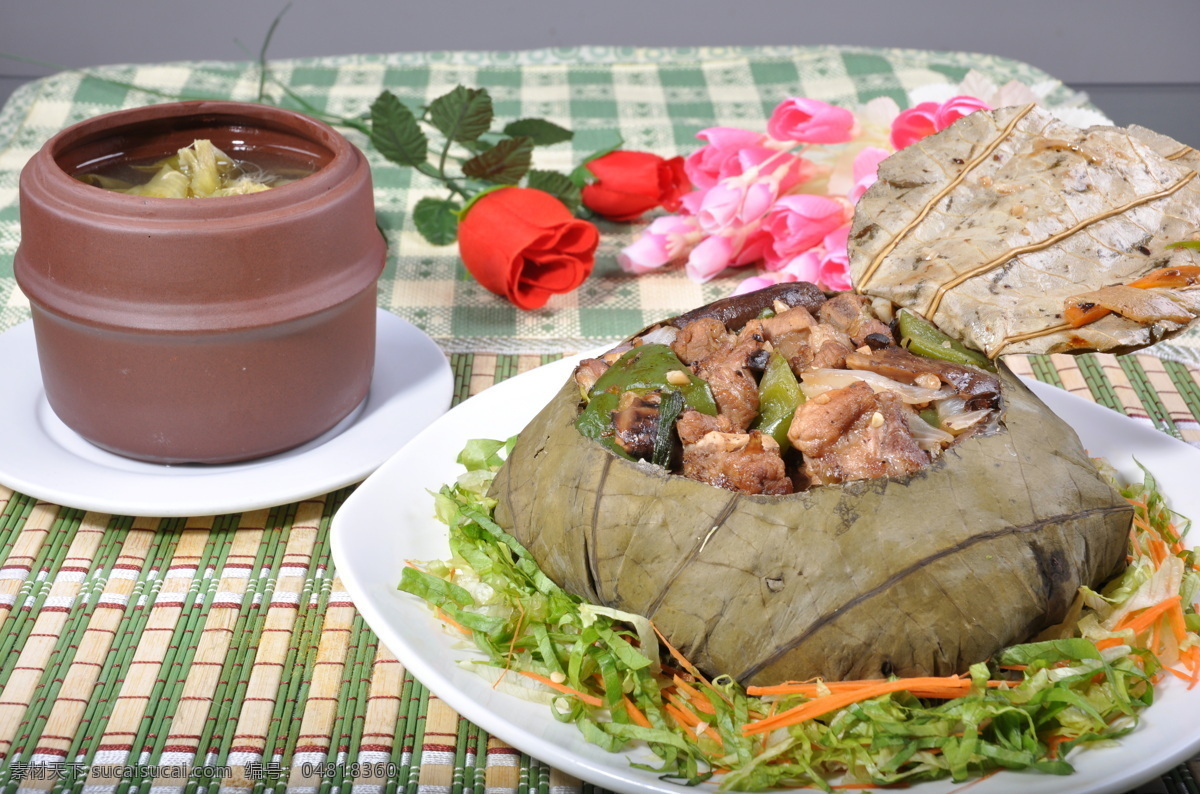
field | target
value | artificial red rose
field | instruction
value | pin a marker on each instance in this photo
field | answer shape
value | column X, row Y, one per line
column 631, row 183
column 526, row 245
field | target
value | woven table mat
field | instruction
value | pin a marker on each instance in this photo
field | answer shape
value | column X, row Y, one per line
column 136, row 646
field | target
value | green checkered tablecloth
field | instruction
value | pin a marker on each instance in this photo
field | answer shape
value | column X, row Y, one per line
column 228, row 642
column 654, row 100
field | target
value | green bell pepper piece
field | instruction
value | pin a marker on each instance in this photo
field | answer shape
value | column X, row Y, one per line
column 924, row 339
column 779, row 396
column 642, row 370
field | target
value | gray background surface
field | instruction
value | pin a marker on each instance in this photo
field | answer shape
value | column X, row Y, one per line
column 1139, row 60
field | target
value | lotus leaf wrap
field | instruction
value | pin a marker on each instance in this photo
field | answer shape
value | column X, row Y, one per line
column 921, row 575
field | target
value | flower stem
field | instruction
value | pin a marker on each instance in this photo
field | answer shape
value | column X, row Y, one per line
column 442, row 160
column 262, row 53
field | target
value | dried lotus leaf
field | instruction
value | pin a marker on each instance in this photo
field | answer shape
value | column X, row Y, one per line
column 989, row 227
column 915, row 575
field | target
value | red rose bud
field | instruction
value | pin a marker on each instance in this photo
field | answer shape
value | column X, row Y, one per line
column 526, row 245
column 631, row 183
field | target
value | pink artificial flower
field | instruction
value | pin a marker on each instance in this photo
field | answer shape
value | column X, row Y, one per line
column 929, row 117
column 667, row 239
column 955, row 108
column 720, row 157
column 739, row 200
column 835, row 265
column 914, row 124
column 720, row 206
column 811, row 121
column 726, row 204
column 691, row 202
column 798, row 222
column 827, row 265
column 712, row 255
column 751, row 244
column 755, row 283
column 866, row 170
column 805, row 267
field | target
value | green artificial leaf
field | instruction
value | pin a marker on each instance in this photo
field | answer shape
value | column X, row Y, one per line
column 463, row 114
column 505, row 163
column 395, row 132
column 558, row 185
column 540, row 131
column 437, row 220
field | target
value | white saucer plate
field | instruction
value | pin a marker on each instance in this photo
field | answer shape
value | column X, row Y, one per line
column 40, row 456
column 389, row 519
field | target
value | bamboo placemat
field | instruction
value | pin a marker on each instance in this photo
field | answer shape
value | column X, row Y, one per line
column 132, row 647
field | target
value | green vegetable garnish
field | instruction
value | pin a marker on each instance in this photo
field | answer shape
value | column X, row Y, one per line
column 922, row 338
column 599, row 669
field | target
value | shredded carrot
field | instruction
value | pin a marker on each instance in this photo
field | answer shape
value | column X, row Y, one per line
column 635, row 713
column 824, row 705
column 813, row 689
column 807, row 688
column 680, row 716
column 1159, row 552
column 1180, row 674
column 681, row 704
column 1178, row 623
column 453, row 623
column 512, row 645
column 1191, row 658
column 1080, row 312
column 711, row 733
column 591, row 700
column 1142, row 621
column 679, row 657
column 1169, row 277
column 687, row 719
column 698, row 699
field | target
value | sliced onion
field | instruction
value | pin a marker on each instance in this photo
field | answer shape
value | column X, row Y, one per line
column 957, row 424
column 884, row 309
column 927, row 436
column 954, row 416
column 662, row 335
column 819, row 381
column 611, row 356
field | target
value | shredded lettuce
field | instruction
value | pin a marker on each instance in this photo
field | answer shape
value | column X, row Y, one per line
column 601, row 669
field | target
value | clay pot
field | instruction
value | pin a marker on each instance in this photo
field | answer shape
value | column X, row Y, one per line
column 205, row 330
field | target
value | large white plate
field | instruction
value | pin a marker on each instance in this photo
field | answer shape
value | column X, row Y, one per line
column 389, row 519
column 40, row 456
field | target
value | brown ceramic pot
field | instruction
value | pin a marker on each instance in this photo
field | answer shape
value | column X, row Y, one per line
column 206, row 330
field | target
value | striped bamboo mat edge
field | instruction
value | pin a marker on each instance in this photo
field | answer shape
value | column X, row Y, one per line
column 222, row 653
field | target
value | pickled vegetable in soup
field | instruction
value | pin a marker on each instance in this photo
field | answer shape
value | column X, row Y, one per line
column 200, row 170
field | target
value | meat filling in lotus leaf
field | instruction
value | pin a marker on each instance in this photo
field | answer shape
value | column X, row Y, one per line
column 816, row 393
